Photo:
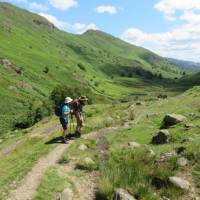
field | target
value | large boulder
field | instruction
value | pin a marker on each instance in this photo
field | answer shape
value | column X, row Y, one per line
column 172, row 119
column 162, row 137
column 121, row 194
column 180, row 183
column 67, row 194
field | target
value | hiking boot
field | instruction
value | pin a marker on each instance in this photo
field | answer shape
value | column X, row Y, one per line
column 77, row 134
column 65, row 141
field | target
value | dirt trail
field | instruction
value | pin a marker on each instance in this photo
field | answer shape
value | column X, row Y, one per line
column 85, row 186
column 30, row 183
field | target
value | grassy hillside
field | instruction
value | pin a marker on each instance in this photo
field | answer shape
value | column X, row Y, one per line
column 40, row 57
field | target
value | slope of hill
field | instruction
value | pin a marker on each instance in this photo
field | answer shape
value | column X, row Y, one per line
column 185, row 65
column 35, row 57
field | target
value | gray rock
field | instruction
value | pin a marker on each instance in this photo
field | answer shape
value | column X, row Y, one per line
column 134, row 144
column 172, row 119
column 151, row 152
column 188, row 139
column 162, row 137
column 189, row 126
column 182, row 162
column 83, row 147
column 166, row 156
column 179, row 183
column 121, row 194
column 67, row 194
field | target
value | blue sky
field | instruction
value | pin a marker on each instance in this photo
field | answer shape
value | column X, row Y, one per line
column 168, row 27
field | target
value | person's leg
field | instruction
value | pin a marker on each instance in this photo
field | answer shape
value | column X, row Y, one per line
column 64, row 125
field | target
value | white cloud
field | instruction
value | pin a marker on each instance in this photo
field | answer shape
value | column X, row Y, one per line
column 63, row 4
column 58, row 23
column 81, row 28
column 106, row 9
column 169, row 7
column 182, row 42
column 37, row 6
column 78, row 28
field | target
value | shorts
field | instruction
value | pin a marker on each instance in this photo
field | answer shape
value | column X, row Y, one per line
column 64, row 123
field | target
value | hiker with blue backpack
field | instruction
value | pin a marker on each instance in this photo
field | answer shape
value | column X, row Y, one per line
column 64, row 114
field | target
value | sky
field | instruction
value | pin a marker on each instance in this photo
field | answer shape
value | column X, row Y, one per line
column 170, row 28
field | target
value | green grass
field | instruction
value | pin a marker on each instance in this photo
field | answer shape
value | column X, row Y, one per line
column 133, row 169
column 15, row 165
column 33, row 48
column 52, row 184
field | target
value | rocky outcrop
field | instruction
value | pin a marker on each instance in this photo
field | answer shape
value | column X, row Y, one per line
column 9, row 65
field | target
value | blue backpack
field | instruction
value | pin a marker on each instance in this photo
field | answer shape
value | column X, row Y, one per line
column 58, row 110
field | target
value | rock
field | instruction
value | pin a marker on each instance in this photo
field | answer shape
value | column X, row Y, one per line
column 182, row 162
column 134, row 144
column 9, row 65
column 89, row 161
column 67, row 194
column 162, row 137
column 179, row 183
column 180, row 150
column 172, row 119
column 166, row 156
column 83, row 147
column 151, row 152
column 189, row 126
column 121, row 194
column 188, row 139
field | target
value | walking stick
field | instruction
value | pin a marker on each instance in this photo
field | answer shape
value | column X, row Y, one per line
column 70, row 126
column 73, row 124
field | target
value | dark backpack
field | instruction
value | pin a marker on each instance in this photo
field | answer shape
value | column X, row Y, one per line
column 58, row 110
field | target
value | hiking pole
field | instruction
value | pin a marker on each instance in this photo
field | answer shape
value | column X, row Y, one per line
column 70, row 126
column 73, row 124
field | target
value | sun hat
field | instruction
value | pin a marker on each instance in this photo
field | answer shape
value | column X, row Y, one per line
column 68, row 99
column 83, row 98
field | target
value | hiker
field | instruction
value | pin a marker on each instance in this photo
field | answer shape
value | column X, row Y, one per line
column 77, row 107
column 64, row 118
